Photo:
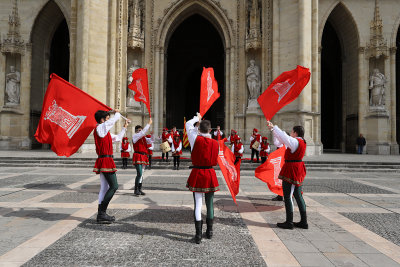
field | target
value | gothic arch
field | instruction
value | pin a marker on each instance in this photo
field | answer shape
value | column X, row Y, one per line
column 395, row 30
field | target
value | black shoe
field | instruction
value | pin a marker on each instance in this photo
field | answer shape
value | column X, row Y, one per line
column 303, row 222
column 277, row 198
column 177, row 168
column 285, row 225
column 199, row 231
column 102, row 216
column 137, row 192
column 140, row 190
column 209, row 231
column 174, row 168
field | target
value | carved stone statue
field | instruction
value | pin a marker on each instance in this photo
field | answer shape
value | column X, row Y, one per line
column 130, row 101
column 377, row 88
column 13, row 80
column 253, row 80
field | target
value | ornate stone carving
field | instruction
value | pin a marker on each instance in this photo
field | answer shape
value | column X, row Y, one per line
column 13, row 43
column 130, row 101
column 377, row 83
column 253, row 32
column 378, row 45
column 13, row 80
column 136, row 28
column 253, row 83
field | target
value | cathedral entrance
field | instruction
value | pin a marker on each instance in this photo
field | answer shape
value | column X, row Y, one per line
column 194, row 44
column 50, row 54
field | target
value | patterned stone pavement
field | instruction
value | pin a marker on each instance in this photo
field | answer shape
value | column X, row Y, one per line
column 47, row 218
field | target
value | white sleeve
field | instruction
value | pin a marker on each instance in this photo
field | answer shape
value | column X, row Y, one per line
column 192, row 131
column 170, row 139
column 285, row 139
column 229, row 138
column 268, row 149
column 180, row 147
column 215, row 133
column 149, row 140
column 251, row 138
column 129, row 148
column 140, row 134
column 103, row 128
column 222, row 133
column 172, row 147
column 242, row 149
column 118, row 137
column 233, row 148
column 120, row 146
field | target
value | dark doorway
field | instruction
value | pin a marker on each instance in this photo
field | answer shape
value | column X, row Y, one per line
column 59, row 52
column 194, row 44
column 331, row 90
column 398, row 87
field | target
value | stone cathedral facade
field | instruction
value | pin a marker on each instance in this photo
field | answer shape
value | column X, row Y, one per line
column 350, row 46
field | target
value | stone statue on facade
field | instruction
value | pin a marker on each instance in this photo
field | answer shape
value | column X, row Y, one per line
column 130, row 100
column 13, row 80
column 377, row 88
column 253, row 83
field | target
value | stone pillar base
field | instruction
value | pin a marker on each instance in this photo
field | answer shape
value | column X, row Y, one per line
column 378, row 130
column 394, row 149
column 378, row 148
column 14, row 143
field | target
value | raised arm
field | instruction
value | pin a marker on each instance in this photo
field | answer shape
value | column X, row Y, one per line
column 103, row 128
column 140, row 134
column 192, row 132
column 285, row 139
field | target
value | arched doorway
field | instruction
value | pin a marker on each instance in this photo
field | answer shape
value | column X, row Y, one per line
column 339, row 81
column 194, row 44
column 50, row 53
column 398, row 87
column 331, row 90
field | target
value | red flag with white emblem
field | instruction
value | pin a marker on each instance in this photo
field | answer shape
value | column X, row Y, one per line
column 208, row 91
column 283, row 90
column 140, row 86
column 268, row 172
column 67, row 117
column 230, row 172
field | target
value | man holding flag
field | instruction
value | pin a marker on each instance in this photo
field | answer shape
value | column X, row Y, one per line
column 105, row 165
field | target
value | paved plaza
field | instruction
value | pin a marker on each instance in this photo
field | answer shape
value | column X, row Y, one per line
column 47, row 218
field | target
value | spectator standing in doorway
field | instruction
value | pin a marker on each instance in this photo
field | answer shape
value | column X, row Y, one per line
column 361, row 143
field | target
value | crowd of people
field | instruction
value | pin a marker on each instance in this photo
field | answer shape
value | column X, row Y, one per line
column 202, row 180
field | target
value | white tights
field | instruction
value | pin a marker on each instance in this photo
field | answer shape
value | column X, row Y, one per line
column 103, row 187
column 198, row 199
column 291, row 195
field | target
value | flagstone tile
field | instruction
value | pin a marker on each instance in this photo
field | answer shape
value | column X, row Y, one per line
column 312, row 259
column 376, row 259
column 344, row 259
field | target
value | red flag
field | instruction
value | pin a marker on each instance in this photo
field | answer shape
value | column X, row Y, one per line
column 185, row 137
column 140, row 86
column 208, row 91
column 231, row 174
column 269, row 171
column 67, row 117
column 283, row 90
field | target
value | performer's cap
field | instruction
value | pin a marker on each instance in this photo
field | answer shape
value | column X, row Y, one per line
column 177, row 134
column 125, row 138
column 148, row 136
column 165, row 129
column 264, row 138
column 255, row 130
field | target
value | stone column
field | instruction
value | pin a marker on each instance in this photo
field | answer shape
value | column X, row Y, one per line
column 394, row 147
column 363, row 99
column 25, row 97
column 157, row 89
column 2, row 80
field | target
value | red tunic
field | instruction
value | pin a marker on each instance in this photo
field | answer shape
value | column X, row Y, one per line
column 263, row 153
column 164, row 137
column 104, row 147
column 125, row 153
column 257, row 138
column 140, row 154
column 204, row 153
column 294, row 172
column 149, row 151
column 236, row 149
column 176, row 145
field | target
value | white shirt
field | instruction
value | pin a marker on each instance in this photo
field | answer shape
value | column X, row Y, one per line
column 193, row 132
column 240, row 150
column 229, row 138
column 179, row 148
column 128, row 150
column 216, row 133
column 103, row 128
column 259, row 140
column 169, row 139
column 151, row 142
column 281, row 138
column 141, row 134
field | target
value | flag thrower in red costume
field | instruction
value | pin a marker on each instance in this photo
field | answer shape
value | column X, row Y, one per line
column 140, row 86
column 231, row 172
column 283, row 90
column 268, row 172
column 67, row 117
column 208, row 91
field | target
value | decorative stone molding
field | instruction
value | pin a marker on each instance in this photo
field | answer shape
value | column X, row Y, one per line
column 13, row 43
column 136, row 27
column 393, row 50
column 378, row 45
column 253, row 31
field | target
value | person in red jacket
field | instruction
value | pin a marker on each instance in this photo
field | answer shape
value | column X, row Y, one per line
column 292, row 173
column 253, row 138
column 265, row 149
column 139, row 158
column 165, row 137
column 125, row 148
column 218, row 133
column 176, row 150
column 237, row 150
column 203, row 179
column 232, row 137
column 105, row 165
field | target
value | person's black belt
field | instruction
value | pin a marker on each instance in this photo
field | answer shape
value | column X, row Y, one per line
column 201, row 167
column 293, row 160
column 105, row 156
column 141, row 153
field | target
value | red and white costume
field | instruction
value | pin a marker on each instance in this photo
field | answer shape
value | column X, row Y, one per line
column 204, row 155
column 176, row 147
column 294, row 170
column 140, row 143
column 104, row 148
column 238, row 149
column 218, row 134
column 265, row 149
column 165, row 136
column 233, row 137
column 125, row 148
column 255, row 137
column 150, row 146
